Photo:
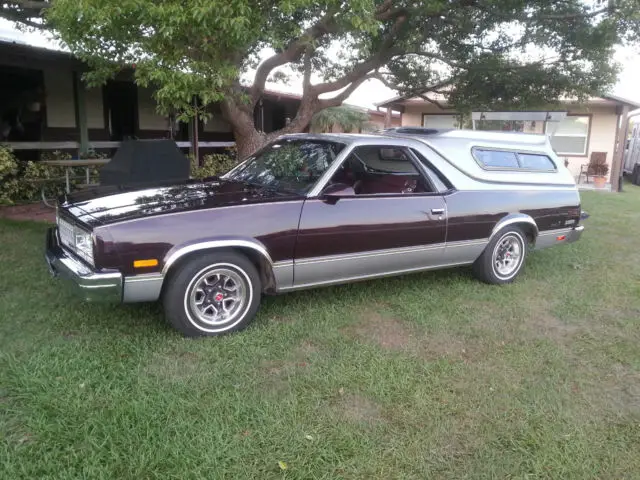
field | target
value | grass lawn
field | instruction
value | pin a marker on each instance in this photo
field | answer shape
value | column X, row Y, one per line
column 433, row 375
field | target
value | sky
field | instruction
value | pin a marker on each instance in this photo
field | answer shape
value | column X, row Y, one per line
column 373, row 91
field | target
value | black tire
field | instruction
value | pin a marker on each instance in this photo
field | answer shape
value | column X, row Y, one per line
column 486, row 268
column 190, row 309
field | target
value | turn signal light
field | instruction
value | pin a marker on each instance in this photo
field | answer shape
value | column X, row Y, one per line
column 152, row 262
column 561, row 237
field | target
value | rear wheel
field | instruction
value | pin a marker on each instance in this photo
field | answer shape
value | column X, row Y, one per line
column 212, row 294
column 502, row 260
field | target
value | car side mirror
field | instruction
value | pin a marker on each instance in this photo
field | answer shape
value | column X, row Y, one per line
column 332, row 193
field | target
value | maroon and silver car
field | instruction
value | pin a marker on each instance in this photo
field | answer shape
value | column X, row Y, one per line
column 313, row 210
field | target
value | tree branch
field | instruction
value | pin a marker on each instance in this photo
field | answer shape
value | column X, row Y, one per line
column 360, row 70
column 571, row 16
column 293, row 52
column 391, row 13
column 306, row 78
column 375, row 61
column 435, row 102
column 19, row 17
column 342, row 96
column 31, row 4
column 433, row 56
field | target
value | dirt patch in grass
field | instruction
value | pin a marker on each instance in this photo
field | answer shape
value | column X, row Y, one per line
column 275, row 373
column 616, row 393
column 305, row 351
column 391, row 333
column 174, row 367
column 549, row 326
column 528, row 320
column 358, row 409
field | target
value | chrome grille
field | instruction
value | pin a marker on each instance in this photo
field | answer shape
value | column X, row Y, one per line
column 67, row 237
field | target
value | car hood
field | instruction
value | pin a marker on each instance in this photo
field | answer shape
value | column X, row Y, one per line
column 106, row 205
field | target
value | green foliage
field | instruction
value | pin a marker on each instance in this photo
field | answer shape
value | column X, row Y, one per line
column 8, row 172
column 520, row 52
column 214, row 164
column 23, row 181
column 480, row 54
column 285, row 162
column 345, row 117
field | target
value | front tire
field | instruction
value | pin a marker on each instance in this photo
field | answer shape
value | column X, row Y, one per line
column 212, row 294
column 502, row 260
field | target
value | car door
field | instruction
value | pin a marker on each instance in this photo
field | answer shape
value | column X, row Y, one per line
column 389, row 219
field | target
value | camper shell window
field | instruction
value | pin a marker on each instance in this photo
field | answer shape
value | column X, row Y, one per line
column 493, row 159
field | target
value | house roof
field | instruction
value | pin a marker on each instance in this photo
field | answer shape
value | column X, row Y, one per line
column 380, row 113
column 22, row 54
column 623, row 101
column 403, row 100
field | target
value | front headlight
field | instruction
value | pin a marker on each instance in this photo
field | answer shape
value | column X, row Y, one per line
column 84, row 244
column 76, row 239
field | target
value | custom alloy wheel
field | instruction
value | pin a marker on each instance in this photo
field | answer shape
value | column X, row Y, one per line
column 217, row 295
column 502, row 260
column 213, row 293
column 507, row 255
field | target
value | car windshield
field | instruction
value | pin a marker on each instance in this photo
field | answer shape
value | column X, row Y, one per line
column 288, row 164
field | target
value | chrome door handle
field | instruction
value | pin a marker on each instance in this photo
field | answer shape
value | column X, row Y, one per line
column 437, row 211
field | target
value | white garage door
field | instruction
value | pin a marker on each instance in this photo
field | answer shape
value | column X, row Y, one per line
column 440, row 121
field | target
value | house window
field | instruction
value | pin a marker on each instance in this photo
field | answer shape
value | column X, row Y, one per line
column 440, row 121
column 571, row 135
column 500, row 125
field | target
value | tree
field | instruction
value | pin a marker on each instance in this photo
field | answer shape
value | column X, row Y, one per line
column 24, row 12
column 346, row 117
column 486, row 53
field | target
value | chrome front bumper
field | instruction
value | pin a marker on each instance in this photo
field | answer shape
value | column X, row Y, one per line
column 91, row 285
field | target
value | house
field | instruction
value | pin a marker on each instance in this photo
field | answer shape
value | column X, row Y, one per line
column 44, row 105
column 587, row 127
column 378, row 119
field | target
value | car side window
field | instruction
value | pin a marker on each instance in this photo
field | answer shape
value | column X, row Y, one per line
column 438, row 179
column 381, row 170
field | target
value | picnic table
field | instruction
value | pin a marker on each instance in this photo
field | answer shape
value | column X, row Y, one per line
column 87, row 163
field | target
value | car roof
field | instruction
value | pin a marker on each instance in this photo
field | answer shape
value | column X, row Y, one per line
column 434, row 137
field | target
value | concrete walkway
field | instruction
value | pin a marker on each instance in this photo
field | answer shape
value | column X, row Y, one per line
column 591, row 186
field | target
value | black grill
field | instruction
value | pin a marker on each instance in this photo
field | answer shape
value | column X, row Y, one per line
column 146, row 162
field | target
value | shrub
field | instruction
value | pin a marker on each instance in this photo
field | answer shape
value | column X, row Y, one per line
column 600, row 169
column 214, row 164
column 23, row 181
column 8, row 176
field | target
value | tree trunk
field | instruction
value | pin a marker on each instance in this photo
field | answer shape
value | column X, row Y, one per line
column 248, row 139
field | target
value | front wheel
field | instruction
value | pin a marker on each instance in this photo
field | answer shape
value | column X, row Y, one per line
column 503, row 258
column 212, row 294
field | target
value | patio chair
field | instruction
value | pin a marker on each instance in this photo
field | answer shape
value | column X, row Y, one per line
column 587, row 169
